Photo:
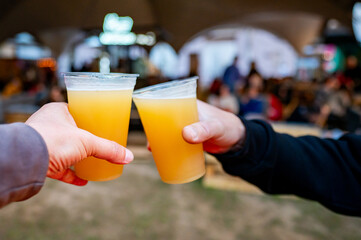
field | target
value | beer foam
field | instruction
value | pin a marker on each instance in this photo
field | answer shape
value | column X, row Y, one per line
column 99, row 81
column 175, row 89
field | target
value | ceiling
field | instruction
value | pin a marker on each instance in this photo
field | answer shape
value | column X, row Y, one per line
column 298, row 21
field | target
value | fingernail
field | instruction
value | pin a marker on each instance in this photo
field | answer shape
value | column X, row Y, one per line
column 192, row 132
column 128, row 156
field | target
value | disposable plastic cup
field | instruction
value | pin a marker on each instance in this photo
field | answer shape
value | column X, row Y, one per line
column 165, row 109
column 101, row 104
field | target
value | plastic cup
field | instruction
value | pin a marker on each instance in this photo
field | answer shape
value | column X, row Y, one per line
column 165, row 109
column 101, row 104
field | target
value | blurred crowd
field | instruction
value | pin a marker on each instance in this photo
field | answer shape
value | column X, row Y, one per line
column 333, row 102
column 27, row 90
column 41, row 84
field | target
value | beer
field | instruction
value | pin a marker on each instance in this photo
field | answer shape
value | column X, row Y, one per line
column 163, row 120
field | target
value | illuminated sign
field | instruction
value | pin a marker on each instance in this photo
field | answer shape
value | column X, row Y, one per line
column 146, row 39
column 117, row 31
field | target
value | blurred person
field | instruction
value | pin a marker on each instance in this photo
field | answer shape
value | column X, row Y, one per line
column 284, row 91
column 214, row 91
column 252, row 70
column 52, row 94
column 56, row 94
column 333, row 104
column 30, row 79
column 232, row 76
column 48, row 144
column 41, row 90
column 224, row 99
column 215, row 86
column 352, row 116
column 324, row 170
column 299, row 109
column 40, row 86
column 253, row 103
column 275, row 107
column 13, row 87
column 351, row 77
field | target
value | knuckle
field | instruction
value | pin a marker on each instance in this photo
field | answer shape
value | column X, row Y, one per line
column 118, row 153
column 205, row 130
column 86, row 142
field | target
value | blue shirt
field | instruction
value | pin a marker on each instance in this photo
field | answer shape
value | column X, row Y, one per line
column 231, row 76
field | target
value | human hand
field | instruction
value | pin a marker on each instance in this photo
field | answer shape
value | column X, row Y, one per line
column 218, row 130
column 67, row 144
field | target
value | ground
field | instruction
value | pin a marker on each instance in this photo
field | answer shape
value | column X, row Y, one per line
column 139, row 206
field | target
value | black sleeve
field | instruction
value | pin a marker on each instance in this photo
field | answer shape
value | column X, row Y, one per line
column 324, row 170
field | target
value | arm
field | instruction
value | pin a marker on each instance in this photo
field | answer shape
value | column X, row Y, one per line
column 67, row 144
column 23, row 162
column 48, row 144
column 324, row 170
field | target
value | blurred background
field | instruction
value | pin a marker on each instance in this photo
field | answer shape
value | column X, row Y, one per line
column 293, row 63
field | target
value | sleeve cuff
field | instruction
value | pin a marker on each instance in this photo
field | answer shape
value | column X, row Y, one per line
column 249, row 160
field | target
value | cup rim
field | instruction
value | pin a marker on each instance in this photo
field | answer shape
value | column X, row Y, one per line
column 90, row 81
column 98, row 75
column 166, row 85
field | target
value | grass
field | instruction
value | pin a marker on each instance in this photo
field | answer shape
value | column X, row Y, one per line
column 139, row 206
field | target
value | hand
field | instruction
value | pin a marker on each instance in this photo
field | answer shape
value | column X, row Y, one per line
column 67, row 144
column 217, row 130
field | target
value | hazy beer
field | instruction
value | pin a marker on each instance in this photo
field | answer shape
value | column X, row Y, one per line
column 103, row 108
column 164, row 112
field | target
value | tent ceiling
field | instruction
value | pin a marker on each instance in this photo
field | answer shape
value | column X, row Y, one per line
column 298, row 21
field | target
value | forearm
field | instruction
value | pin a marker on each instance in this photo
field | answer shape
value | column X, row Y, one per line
column 320, row 169
column 23, row 162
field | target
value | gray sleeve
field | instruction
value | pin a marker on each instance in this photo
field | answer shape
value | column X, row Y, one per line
column 24, row 162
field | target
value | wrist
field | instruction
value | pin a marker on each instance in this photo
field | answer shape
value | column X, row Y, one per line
column 240, row 132
column 236, row 147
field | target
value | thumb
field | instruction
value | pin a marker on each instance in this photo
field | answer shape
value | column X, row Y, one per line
column 106, row 149
column 202, row 131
